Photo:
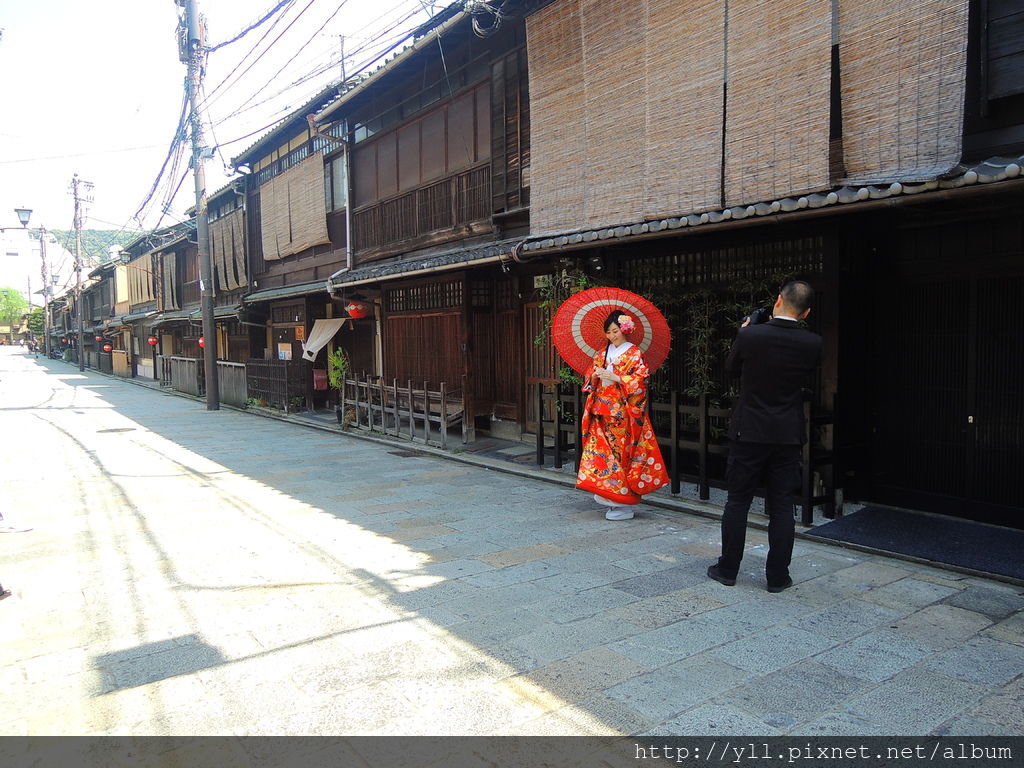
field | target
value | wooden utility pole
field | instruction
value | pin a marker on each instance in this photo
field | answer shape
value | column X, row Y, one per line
column 45, row 274
column 192, row 53
column 75, row 183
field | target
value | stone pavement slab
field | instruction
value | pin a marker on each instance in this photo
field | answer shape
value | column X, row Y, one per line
column 223, row 573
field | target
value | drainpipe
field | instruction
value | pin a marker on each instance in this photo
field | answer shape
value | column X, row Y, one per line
column 314, row 130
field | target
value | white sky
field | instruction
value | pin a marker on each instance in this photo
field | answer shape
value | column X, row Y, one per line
column 95, row 88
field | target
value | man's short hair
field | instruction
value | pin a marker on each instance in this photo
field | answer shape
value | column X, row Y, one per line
column 798, row 295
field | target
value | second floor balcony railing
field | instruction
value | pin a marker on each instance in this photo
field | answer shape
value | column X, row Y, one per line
column 443, row 205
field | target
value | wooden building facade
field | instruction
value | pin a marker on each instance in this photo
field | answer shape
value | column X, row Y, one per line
column 665, row 148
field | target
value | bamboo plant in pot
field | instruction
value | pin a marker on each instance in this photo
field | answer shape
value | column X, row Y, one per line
column 337, row 367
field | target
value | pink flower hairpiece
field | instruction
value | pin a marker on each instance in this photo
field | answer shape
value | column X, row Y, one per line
column 626, row 323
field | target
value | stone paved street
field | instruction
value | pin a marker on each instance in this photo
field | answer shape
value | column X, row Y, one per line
column 192, row 572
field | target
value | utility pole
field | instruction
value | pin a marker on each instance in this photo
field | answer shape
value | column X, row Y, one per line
column 192, row 53
column 78, row 272
column 45, row 274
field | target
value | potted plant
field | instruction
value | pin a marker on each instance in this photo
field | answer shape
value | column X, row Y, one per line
column 337, row 367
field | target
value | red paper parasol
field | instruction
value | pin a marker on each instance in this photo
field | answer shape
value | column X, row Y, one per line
column 578, row 326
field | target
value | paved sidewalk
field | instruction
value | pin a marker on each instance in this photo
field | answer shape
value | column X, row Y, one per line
column 195, row 573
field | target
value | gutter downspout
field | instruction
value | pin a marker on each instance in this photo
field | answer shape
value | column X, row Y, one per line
column 314, row 130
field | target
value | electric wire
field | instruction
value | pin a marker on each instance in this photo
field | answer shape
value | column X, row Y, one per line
column 175, row 141
column 251, row 51
column 288, row 110
column 250, row 28
column 331, row 63
column 295, row 55
column 213, row 96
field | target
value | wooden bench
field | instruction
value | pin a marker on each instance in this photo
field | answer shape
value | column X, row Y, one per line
column 403, row 411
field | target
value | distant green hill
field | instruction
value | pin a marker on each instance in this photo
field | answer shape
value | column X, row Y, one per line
column 95, row 242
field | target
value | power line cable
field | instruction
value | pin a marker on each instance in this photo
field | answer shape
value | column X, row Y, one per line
column 311, row 38
column 251, row 51
column 260, row 56
column 250, row 28
column 286, row 111
column 332, row 62
column 175, row 142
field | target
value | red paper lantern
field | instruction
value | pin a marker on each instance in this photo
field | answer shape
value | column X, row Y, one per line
column 99, row 338
column 107, row 347
column 356, row 309
column 153, row 341
column 202, row 342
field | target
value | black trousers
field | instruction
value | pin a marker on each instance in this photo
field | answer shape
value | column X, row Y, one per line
column 777, row 468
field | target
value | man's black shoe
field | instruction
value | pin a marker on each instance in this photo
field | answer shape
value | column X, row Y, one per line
column 714, row 572
column 779, row 587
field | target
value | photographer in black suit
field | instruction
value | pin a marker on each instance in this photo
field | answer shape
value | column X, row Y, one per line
column 774, row 361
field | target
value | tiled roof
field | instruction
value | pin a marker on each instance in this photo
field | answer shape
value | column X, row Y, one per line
column 219, row 313
column 286, row 291
column 989, row 171
column 452, row 259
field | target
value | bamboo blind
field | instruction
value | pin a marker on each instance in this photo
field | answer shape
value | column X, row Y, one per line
column 557, row 109
column 777, row 106
column 227, row 249
column 626, row 122
column 140, row 280
column 615, row 102
column 903, row 68
column 168, row 263
column 685, row 70
column 293, row 210
column 148, row 263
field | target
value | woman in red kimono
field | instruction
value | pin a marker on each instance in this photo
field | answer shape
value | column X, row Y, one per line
column 621, row 460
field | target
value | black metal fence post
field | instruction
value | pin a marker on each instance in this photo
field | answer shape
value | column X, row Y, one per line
column 674, row 445
column 579, row 427
column 807, row 489
column 702, row 455
column 540, row 424
column 559, row 436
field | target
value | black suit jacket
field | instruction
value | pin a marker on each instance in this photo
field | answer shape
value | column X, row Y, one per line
column 774, row 361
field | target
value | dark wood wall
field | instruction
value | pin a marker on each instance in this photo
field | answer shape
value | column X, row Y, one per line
column 930, row 400
column 424, row 331
column 424, row 347
column 994, row 107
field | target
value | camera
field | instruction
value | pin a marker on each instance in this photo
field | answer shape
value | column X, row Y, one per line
column 762, row 315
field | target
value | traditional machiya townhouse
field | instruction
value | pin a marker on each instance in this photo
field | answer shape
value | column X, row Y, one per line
column 872, row 148
column 699, row 153
column 97, row 299
column 396, row 199
column 139, row 324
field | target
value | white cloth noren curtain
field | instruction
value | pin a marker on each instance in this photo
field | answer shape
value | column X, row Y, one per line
column 323, row 331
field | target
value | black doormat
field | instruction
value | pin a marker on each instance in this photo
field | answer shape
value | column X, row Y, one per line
column 980, row 547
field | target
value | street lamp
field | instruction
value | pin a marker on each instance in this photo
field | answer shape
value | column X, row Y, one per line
column 24, row 214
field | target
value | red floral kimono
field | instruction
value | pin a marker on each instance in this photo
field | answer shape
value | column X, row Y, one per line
column 621, row 460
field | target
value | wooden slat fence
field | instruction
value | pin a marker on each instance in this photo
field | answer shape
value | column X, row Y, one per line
column 122, row 364
column 412, row 411
column 278, row 381
column 182, row 374
column 105, row 362
column 690, row 431
column 231, row 383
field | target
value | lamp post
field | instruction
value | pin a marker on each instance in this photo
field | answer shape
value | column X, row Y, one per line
column 24, row 215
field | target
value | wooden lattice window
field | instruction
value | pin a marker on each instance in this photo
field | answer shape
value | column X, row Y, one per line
column 288, row 313
column 421, row 298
